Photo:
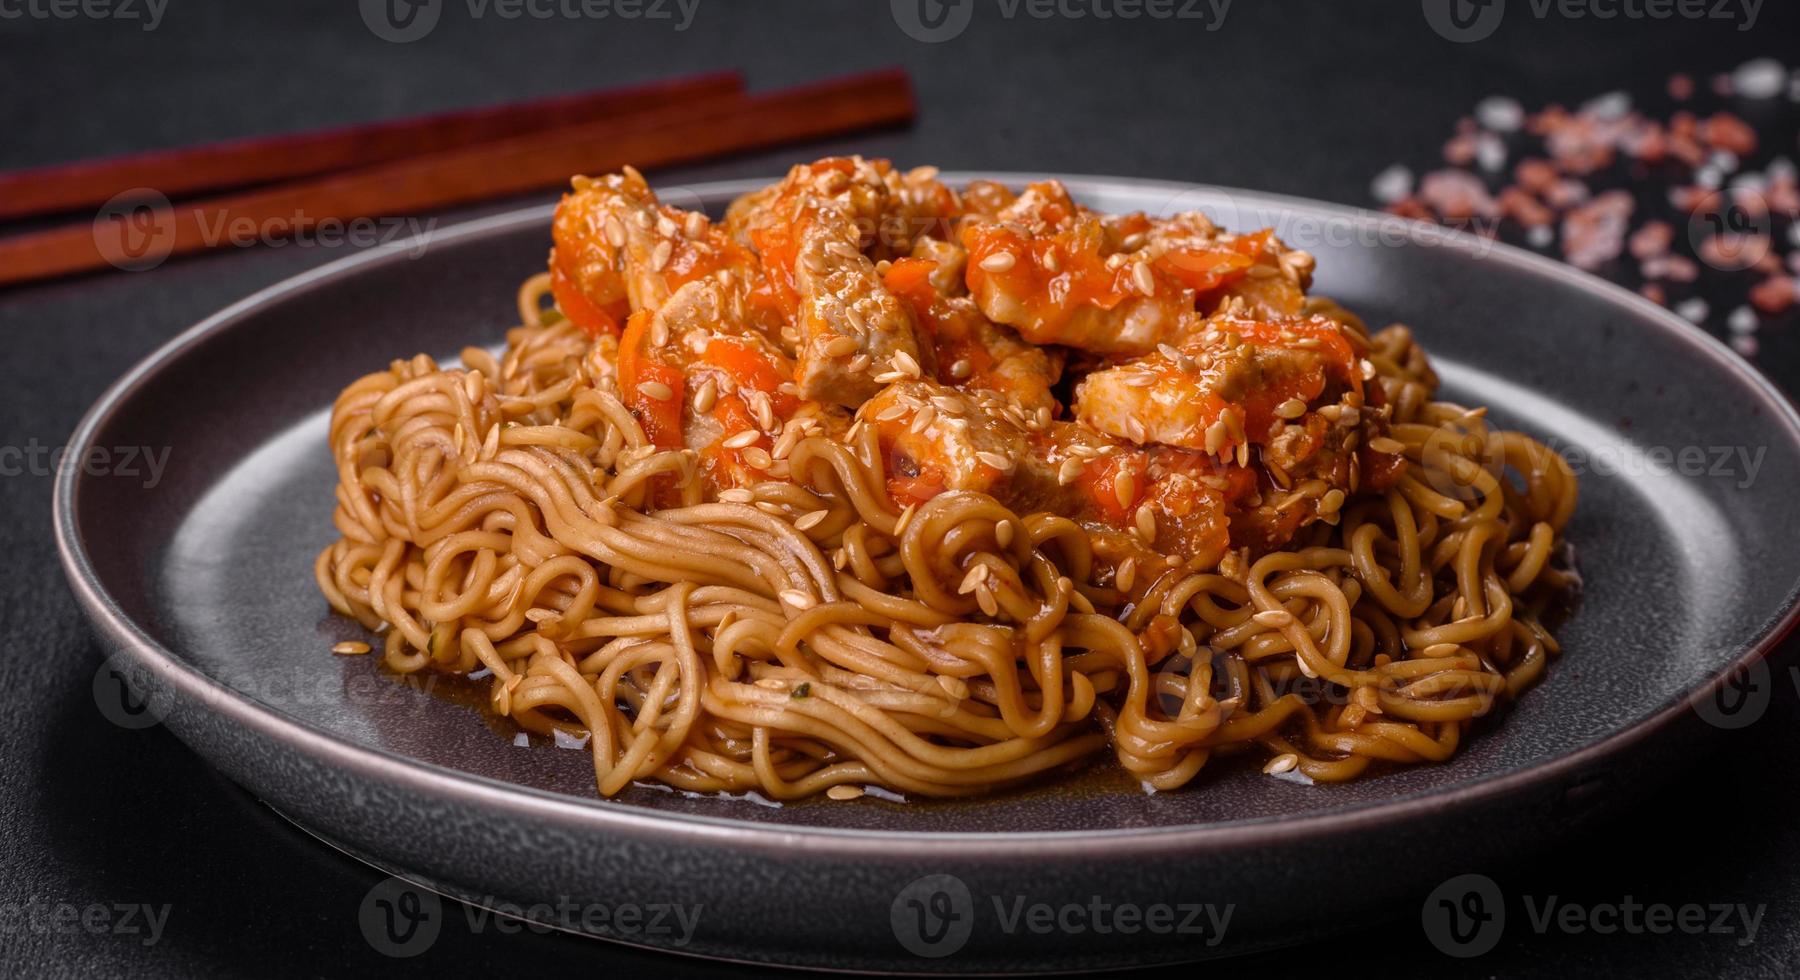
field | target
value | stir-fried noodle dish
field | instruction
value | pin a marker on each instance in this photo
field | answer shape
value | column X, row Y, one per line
column 876, row 482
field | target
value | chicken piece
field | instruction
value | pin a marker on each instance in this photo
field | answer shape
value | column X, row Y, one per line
column 1045, row 267
column 935, row 439
column 1223, row 389
column 618, row 250
column 1218, row 265
column 851, row 336
column 1062, row 274
column 972, row 352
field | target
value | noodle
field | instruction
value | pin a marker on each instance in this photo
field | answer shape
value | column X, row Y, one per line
column 512, row 516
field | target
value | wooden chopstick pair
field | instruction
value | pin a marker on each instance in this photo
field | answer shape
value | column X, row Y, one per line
column 415, row 165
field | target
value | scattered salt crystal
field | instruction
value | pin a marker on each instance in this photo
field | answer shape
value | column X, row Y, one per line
column 1392, row 185
column 1745, row 344
column 1541, row 236
column 1612, row 105
column 565, row 740
column 522, row 741
column 1500, row 114
column 1741, row 320
column 1692, row 310
column 1490, row 152
column 1762, row 78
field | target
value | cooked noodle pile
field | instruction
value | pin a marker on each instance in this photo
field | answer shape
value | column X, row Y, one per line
column 509, row 518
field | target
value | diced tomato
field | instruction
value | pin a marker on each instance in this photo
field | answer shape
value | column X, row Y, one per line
column 660, row 417
column 1208, row 267
column 752, row 369
column 1101, row 479
column 1080, row 277
column 574, row 304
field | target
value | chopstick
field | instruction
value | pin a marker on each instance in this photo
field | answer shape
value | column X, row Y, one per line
column 242, row 163
column 706, row 127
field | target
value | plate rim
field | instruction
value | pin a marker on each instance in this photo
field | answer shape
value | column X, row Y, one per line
column 121, row 634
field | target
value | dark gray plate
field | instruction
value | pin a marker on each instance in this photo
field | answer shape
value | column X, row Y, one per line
column 202, row 586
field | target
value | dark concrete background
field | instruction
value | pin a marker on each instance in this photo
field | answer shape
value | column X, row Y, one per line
column 1301, row 98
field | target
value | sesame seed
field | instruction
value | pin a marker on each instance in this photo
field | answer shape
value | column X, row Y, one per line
column 771, row 684
column 660, row 257
column 615, row 232
column 1124, row 489
column 758, row 458
column 1068, row 471
column 961, row 369
column 797, row 599
column 1138, row 434
column 1140, row 276
column 1274, row 618
column 859, row 364
column 1146, row 523
column 1139, row 379
column 998, row 262
column 971, row 580
column 844, row 792
column 985, row 599
column 350, row 648
column 694, row 224
column 736, row 495
column 1215, row 437
column 1003, row 534
column 1332, row 502
column 1293, row 408
column 811, row 519
column 1383, row 444
column 1285, row 762
column 707, row 396
column 739, row 440
column 953, row 686
column 1127, row 575
column 906, row 364
column 841, row 347
column 905, row 519
column 995, row 460
column 1437, row 650
column 656, row 390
